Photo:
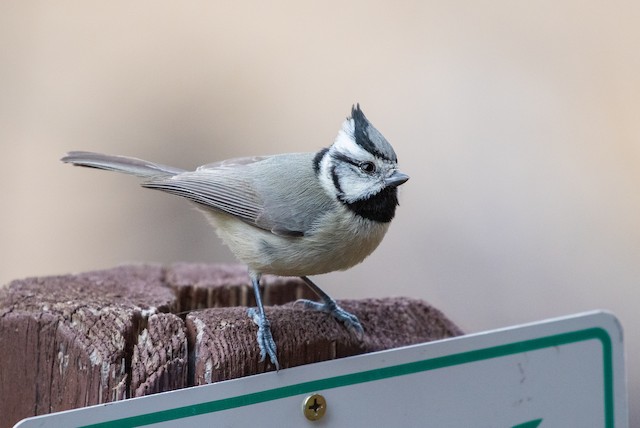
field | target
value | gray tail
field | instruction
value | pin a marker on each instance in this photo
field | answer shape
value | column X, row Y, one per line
column 127, row 165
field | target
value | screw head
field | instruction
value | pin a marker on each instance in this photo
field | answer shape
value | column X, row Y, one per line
column 314, row 407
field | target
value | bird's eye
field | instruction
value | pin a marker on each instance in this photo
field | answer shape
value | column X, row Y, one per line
column 368, row 167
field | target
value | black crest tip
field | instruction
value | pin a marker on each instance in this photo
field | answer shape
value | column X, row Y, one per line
column 369, row 138
column 357, row 114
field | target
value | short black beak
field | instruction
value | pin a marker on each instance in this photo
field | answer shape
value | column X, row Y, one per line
column 395, row 179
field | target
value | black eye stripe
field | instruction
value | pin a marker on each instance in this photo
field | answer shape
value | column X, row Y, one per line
column 365, row 166
column 344, row 158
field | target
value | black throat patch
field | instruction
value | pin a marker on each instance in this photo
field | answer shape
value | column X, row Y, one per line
column 380, row 207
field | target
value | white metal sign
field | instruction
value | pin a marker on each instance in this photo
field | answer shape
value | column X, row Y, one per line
column 566, row 372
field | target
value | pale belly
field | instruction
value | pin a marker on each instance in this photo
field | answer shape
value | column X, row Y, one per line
column 347, row 242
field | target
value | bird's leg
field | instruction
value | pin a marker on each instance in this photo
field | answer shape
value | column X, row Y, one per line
column 330, row 306
column 265, row 340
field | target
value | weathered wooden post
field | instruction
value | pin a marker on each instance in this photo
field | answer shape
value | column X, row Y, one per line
column 77, row 340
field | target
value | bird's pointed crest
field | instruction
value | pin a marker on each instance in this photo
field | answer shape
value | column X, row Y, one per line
column 368, row 137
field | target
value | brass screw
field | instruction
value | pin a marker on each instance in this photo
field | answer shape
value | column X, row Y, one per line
column 314, row 407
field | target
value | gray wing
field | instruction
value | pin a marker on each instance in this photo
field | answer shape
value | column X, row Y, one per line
column 213, row 189
column 277, row 193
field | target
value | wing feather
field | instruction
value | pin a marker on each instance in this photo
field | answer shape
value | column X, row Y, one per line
column 275, row 193
column 214, row 189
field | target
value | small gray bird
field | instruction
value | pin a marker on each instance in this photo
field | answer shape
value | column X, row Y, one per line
column 294, row 214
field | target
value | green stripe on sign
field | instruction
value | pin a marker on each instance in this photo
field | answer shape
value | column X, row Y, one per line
column 390, row 372
column 530, row 424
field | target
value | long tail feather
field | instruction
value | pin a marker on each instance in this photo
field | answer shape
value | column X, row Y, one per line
column 127, row 165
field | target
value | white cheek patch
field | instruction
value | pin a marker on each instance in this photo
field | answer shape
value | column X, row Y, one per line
column 353, row 185
column 355, row 189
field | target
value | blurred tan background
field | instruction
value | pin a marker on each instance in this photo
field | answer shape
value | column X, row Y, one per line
column 518, row 122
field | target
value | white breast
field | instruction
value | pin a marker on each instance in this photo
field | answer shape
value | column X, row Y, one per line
column 347, row 241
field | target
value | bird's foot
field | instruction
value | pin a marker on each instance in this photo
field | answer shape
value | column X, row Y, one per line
column 350, row 321
column 265, row 340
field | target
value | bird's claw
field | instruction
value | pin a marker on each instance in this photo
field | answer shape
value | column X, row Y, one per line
column 265, row 340
column 350, row 321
